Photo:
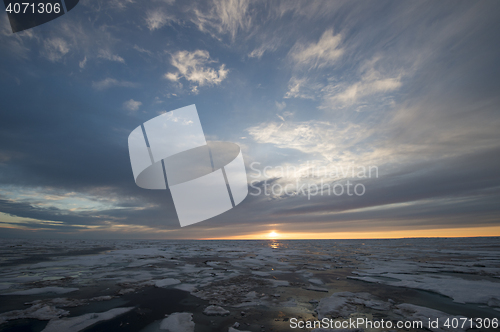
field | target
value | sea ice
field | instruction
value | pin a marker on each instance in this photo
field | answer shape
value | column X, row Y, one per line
column 232, row 329
column 35, row 291
column 167, row 282
column 78, row 323
column 239, row 273
column 317, row 289
column 178, row 322
column 187, row 287
column 343, row 304
column 214, row 310
column 61, row 302
column 38, row 311
column 460, row 290
column 290, row 303
column 279, row 283
column 316, row 281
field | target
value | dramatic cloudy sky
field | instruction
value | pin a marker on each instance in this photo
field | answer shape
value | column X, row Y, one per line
column 411, row 88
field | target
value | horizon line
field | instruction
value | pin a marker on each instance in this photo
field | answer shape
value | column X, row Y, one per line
column 254, row 239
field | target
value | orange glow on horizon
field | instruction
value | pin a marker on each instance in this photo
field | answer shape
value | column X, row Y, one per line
column 273, row 235
column 446, row 232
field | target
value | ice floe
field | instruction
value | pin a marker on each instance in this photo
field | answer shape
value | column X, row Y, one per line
column 36, row 291
column 78, row 323
column 460, row 290
column 343, row 304
column 37, row 311
column 166, row 282
column 316, row 281
column 214, row 310
column 187, row 287
column 178, row 322
column 317, row 289
column 232, row 329
column 255, row 275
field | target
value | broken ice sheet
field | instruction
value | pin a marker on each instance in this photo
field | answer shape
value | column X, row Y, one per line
column 214, row 310
column 178, row 322
column 460, row 290
column 43, row 290
column 166, row 282
column 37, row 311
column 79, row 323
column 343, row 304
column 298, row 277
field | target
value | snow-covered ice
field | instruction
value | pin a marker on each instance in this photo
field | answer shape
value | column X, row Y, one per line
column 214, row 310
column 166, row 282
column 232, row 329
column 43, row 290
column 178, row 322
column 327, row 278
column 37, row 311
column 75, row 324
column 343, row 304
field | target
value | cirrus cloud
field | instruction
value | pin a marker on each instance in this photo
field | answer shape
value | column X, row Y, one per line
column 55, row 48
column 317, row 55
column 132, row 105
column 195, row 68
column 112, row 82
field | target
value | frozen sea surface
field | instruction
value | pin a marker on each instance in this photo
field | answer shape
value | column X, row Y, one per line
column 243, row 285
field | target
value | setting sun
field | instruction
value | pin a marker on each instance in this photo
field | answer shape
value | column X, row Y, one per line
column 273, row 235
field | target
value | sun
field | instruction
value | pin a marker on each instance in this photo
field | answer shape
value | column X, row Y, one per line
column 273, row 235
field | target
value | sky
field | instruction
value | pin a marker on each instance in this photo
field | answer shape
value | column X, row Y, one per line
column 317, row 93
